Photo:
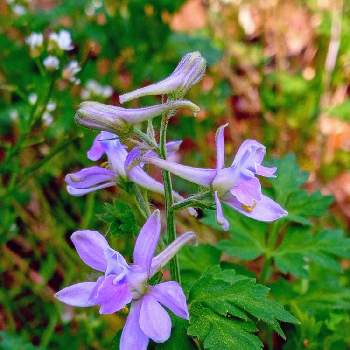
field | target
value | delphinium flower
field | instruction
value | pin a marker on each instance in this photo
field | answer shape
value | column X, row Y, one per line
column 94, row 178
column 115, row 119
column 236, row 185
column 188, row 72
column 51, row 63
column 123, row 283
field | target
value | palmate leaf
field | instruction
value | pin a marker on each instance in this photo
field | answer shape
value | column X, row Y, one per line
column 224, row 307
column 300, row 248
column 288, row 192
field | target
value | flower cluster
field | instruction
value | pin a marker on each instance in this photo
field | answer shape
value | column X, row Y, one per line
column 127, row 149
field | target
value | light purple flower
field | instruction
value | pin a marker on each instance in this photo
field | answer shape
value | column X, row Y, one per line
column 94, row 178
column 115, row 119
column 123, row 283
column 236, row 185
column 188, row 72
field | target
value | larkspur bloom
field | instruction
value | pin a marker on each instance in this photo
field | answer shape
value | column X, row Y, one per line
column 62, row 40
column 94, row 178
column 123, row 283
column 51, row 63
column 115, row 119
column 237, row 185
column 188, row 72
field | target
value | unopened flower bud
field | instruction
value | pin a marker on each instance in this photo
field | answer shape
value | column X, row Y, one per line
column 187, row 73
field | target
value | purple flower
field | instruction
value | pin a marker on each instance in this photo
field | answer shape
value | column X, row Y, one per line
column 123, row 283
column 188, row 72
column 236, row 185
column 94, row 178
column 115, row 119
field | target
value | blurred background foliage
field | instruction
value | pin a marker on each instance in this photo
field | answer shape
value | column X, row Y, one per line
column 278, row 71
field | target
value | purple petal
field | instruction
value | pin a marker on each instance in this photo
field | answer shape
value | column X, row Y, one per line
column 115, row 151
column 90, row 246
column 140, row 177
column 200, row 176
column 220, row 147
column 265, row 171
column 112, row 296
column 147, row 241
column 77, row 294
column 154, row 320
column 96, row 151
column 169, row 252
column 116, row 264
column 132, row 336
column 173, row 146
column 220, row 218
column 225, row 179
column 77, row 192
column 265, row 210
column 249, row 153
column 247, row 190
column 171, row 295
column 88, row 180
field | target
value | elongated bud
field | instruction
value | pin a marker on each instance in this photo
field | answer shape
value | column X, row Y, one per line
column 115, row 119
column 188, row 72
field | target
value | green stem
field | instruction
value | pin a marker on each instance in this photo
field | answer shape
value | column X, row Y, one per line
column 193, row 201
column 145, row 138
column 169, row 201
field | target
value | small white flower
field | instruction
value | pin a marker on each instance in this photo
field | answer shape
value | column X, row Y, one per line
column 35, row 40
column 62, row 39
column 51, row 63
column 47, row 118
column 70, row 70
column 32, row 98
column 51, row 106
column 14, row 115
column 19, row 10
column 107, row 91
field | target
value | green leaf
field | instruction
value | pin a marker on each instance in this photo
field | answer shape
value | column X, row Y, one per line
column 224, row 307
column 10, row 341
column 247, row 236
column 300, row 248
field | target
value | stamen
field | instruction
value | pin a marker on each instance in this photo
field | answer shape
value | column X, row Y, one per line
column 248, row 208
column 105, row 165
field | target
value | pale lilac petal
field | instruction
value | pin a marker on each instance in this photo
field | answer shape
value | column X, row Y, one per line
column 90, row 246
column 141, row 178
column 89, row 177
column 220, row 218
column 225, row 179
column 247, row 190
column 154, row 320
column 77, row 294
column 220, row 147
column 170, row 251
column 116, row 264
column 173, row 146
column 147, row 241
column 132, row 336
column 171, row 295
column 266, row 171
column 96, row 151
column 249, row 153
column 199, row 176
column 78, row 192
column 115, row 152
column 112, row 296
column 265, row 210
